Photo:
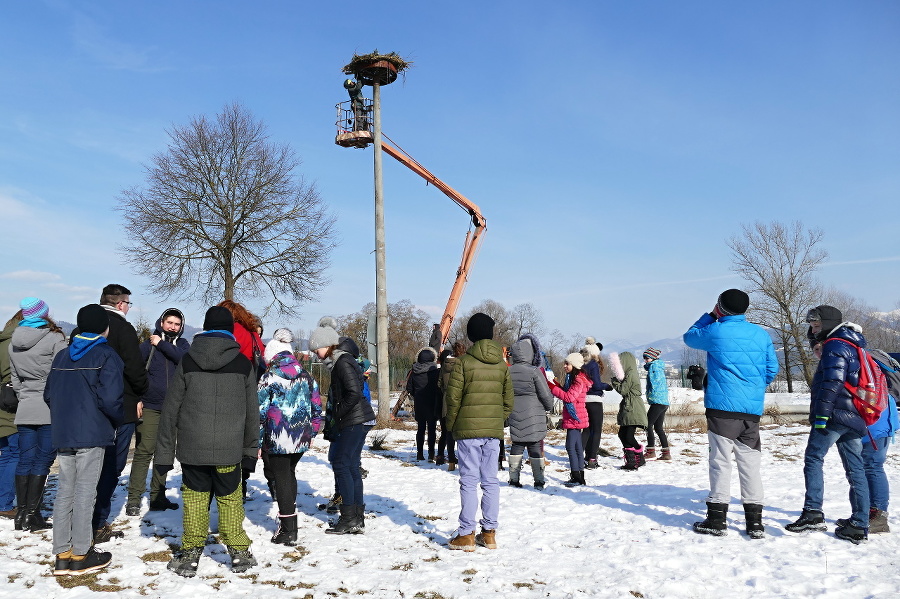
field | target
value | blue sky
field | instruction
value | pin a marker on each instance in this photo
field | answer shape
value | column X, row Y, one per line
column 613, row 147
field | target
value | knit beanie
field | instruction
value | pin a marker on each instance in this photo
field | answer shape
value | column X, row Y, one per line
column 33, row 307
column 324, row 335
column 218, row 318
column 575, row 360
column 480, row 326
column 651, row 353
column 281, row 341
column 733, row 301
column 92, row 319
column 591, row 349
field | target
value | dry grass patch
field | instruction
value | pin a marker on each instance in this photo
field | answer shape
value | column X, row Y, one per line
column 157, row 556
column 90, row 581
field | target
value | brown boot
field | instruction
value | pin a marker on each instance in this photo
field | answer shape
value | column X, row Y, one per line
column 463, row 542
column 487, row 538
column 666, row 454
column 650, row 453
column 451, row 466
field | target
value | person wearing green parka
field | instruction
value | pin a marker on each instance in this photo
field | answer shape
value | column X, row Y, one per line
column 479, row 399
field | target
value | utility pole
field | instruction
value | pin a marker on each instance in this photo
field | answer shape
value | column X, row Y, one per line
column 381, row 303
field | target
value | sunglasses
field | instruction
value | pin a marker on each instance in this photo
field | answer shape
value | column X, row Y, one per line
column 813, row 316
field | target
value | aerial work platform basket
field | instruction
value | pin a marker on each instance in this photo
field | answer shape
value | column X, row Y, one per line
column 354, row 124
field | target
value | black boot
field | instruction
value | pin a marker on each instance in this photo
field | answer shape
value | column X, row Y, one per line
column 715, row 520
column 34, row 520
column 808, row 520
column 346, row 523
column 631, row 462
column 361, row 518
column 21, row 500
column 287, row 530
column 753, row 517
column 575, row 479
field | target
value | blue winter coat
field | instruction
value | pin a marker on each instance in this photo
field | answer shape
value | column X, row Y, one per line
column 592, row 370
column 840, row 362
column 657, row 385
column 86, row 392
column 740, row 362
column 163, row 364
column 290, row 408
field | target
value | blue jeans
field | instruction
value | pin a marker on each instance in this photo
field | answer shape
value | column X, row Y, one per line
column 344, row 453
column 9, row 459
column 575, row 449
column 36, row 453
column 478, row 463
column 850, row 449
column 873, row 462
column 79, row 470
column 114, row 459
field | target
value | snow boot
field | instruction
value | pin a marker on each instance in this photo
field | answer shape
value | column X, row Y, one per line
column 809, row 520
column 878, row 522
column 346, row 523
column 185, row 562
column 591, row 465
column 639, row 454
column 537, row 471
column 487, row 538
column 34, row 520
column 287, row 530
column 21, row 500
column 463, row 542
column 241, row 559
column 666, row 454
column 630, row 459
column 650, row 453
column 851, row 533
column 576, row 479
column 753, row 518
column 515, row 468
column 361, row 518
column 715, row 520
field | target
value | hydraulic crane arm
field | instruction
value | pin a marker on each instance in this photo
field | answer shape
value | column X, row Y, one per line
column 473, row 237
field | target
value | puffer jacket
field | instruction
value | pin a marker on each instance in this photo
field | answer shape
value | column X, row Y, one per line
column 444, row 381
column 573, row 398
column 479, row 395
column 7, row 419
column 657, row 385
column 840, row 363
column 290, row 409
column 347, row 405
column 422, row 385
column 631, row 408
column 211, row 413
column 31, row 354
column 528, row 420
column 592, row 370
column 740, row 363
column 169, row 351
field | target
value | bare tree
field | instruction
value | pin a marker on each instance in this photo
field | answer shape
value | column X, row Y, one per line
column 223, row 214
column 527, row 319
column 690, row 356
column 505, row 325
column 779, row 261
column 881, row 330
column 408, row 330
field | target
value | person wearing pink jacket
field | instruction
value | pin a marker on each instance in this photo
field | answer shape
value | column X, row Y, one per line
column 575, row 416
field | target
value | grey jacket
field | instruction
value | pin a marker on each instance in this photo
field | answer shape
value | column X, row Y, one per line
column 30, row 357
column 528, row 421
column 211, row 414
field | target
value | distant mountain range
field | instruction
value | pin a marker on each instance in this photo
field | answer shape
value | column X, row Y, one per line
column 671, row 350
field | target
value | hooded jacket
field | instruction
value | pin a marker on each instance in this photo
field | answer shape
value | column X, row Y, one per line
column 631, row 408
column 85, row 393
column 422, row 384
column 31, row 354
column 840, row 363
column 574, row 412
column 532, row 397
column 290, row 408
column 7, row 419
column 211, row 413
column 740, row 363
column 479, row 394
column 168, row 353
column 347, row 405
column 657, row 385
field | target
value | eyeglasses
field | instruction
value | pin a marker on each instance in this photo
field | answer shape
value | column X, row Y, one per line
column 813, row 316
column 129, row 304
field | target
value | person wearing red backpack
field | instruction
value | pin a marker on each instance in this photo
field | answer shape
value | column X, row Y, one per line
column 835, row 420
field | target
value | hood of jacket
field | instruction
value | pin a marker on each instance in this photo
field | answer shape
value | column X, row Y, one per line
column 7, row 333
column 536, row 347
column 24, row 338
column 487, row 351
column 426, row 355
column 212, row 351
column 346, row 345
column 170, row 337
column 629, row 362
column 850, row 331
column 522, row 352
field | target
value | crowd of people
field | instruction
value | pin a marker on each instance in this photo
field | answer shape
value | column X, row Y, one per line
column 224, row 401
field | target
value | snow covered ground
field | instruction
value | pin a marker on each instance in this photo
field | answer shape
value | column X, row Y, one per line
column 627, row 534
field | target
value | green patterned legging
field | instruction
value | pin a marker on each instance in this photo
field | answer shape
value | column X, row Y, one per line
column 231, row 516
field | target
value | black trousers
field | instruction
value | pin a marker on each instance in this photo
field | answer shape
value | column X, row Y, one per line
column 282, row 467
column 656, row 419
column 626, row 436
column 446, row 441
column 590, row 437
column 431, row 425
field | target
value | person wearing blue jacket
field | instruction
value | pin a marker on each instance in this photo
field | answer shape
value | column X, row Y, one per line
column 161, row 354
column 85, row 392
column 658, row 398
column 740, row 363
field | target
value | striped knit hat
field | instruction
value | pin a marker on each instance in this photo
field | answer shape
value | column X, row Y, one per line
column 651, row 353
column 33, row 307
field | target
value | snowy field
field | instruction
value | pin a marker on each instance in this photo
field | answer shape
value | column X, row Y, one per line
column 627, row 534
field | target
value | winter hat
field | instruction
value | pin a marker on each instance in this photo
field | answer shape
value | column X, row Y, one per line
column 218, row 318
column 830, row 317
column 651, row 353
column 33, row 307
column 733, row 301
column 589, row 341
column 590, row 348
column 92, row 319
column 281, row 341
column 599, row 346
column 325, row 335
column 575, row 360
column 480, row 326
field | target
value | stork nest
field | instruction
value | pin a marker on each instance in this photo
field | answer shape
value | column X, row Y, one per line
column 360, row 60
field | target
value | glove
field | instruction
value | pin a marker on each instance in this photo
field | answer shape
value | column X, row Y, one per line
column 162, row 469
column 248, row 465
column 820, row 423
